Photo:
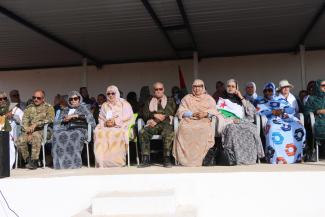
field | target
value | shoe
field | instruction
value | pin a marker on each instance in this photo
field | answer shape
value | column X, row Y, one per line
column 28, row 163
column 32, row 165
column 167, row 162
column 145, row 162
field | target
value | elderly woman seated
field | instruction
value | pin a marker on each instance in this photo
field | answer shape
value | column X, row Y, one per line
column 284, row 134
column 241, row 142
column 111, row 134
column 70, row 132
column 10, row 117
column 195, row 135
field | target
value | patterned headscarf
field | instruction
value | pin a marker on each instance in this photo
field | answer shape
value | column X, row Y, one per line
column 74, row 93
column 270, row 85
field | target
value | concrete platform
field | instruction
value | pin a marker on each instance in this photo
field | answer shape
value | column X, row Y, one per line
column 257, row 190
column 49, row 172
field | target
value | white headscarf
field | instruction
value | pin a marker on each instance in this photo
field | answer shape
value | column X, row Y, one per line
column 252, row 97
column 117, row 97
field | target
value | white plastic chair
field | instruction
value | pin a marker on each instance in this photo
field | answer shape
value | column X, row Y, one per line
column 87, row 143
column 315, row 140
column 16, row 135
column 141, row 124
column 43, row 143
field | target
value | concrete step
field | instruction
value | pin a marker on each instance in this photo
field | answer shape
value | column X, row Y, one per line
column 146, row 203
column 181, row 211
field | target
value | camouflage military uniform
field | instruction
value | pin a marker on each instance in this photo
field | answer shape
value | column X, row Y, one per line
column 164, row 128
column 39, row 115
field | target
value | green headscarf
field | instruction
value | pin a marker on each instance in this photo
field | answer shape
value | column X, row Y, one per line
column 4, row 109
column 317, row 89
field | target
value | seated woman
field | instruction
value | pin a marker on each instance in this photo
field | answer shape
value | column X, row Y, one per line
column 268, row 94
column 251, row 94
column 316, row 104
column 284, row 93
column 284, row 135
column 68, row 135
column 195, row 135
column 10, row 117
column 241, row 142
column 111, row 134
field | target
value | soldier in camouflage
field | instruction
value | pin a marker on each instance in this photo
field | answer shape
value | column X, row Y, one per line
column 158, row 114
column 35, row 117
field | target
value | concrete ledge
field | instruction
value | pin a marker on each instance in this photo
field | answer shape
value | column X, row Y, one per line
column 134, row 203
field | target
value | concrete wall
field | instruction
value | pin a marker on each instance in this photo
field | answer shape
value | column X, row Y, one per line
column 230, row 194
column 131, row 77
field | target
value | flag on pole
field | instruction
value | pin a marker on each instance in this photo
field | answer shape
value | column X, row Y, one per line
column 182, row 84
column 230, row 109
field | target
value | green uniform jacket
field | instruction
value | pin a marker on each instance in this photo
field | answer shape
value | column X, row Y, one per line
column 169, row 110
column 39, row 115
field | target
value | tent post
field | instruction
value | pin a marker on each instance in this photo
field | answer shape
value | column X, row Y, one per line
column 195, row 65
column 84, row 73
column 302, row 66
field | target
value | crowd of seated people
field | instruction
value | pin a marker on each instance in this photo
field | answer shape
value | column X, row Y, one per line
column 110, row 117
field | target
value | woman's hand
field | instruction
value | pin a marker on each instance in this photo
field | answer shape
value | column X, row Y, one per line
column 236, row 121
column 69, row 117
column 238, row 93
column 110, row 122
column 320, row 112
column 277, row 112
column 200, row 115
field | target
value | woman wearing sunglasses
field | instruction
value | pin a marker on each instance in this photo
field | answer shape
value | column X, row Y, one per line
column 195, row 135
column 284, row 135
column 69, row 135
column 10, row 117
column 111, row 134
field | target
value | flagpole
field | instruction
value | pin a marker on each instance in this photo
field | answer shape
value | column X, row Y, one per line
column 84, row 73
column 195, row 65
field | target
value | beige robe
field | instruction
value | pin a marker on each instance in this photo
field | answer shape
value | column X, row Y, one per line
column 110, row 143
column 194, row 137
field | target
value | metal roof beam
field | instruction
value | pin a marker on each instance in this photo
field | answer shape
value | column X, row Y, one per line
column 154, row 16
column 310, row 27
column 187, row 23
column 48, row 35
column 175, row 27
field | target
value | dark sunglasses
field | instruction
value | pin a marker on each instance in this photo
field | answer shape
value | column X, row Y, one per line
column 74, row 98
column 37, row 97
column 3, row 98
column 322, row 85
column 268, row 90
column 197, row 85
column 108, row 94
column 160, row 89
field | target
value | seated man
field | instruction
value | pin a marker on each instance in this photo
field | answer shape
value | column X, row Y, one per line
column 158, row 115
column 36, row 115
